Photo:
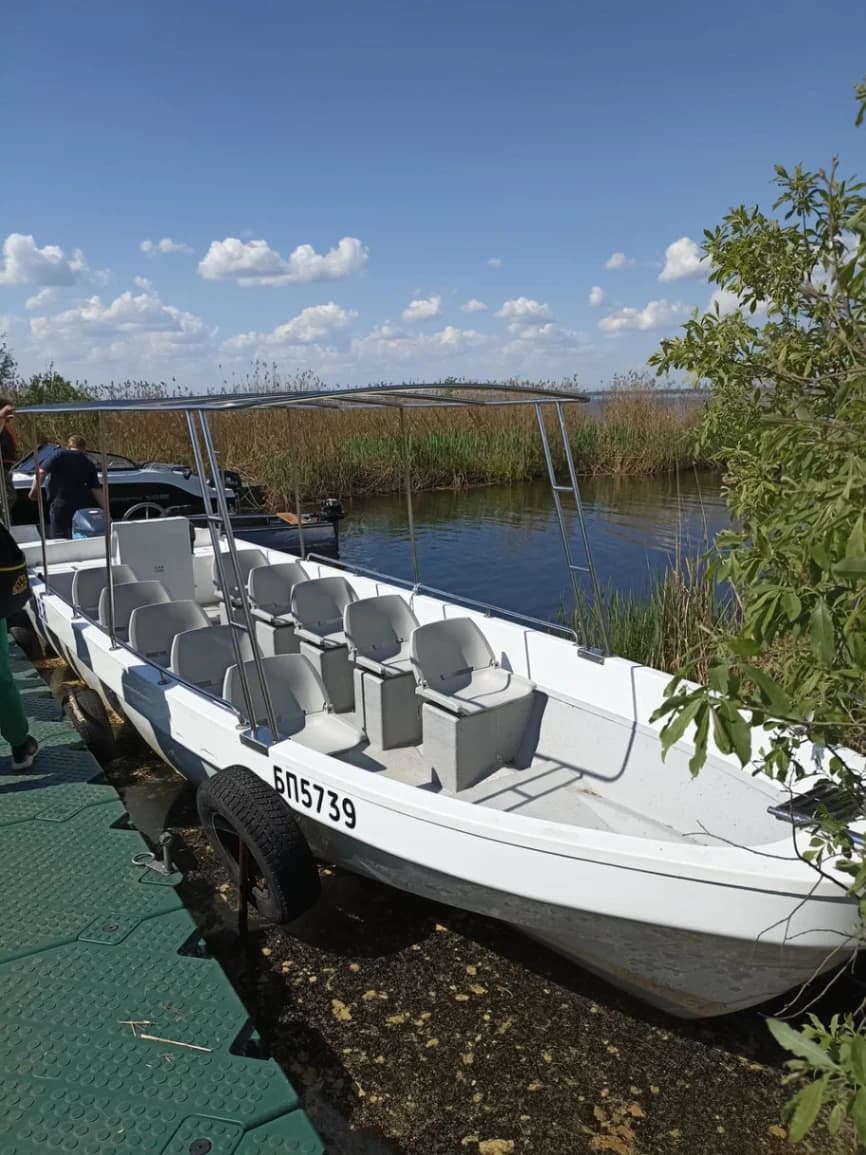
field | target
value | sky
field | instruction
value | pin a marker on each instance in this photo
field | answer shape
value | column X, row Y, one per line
column 383, row 190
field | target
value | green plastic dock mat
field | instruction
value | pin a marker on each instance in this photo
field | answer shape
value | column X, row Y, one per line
column 97, row 954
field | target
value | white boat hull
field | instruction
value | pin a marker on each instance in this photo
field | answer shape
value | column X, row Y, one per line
column 697, row 929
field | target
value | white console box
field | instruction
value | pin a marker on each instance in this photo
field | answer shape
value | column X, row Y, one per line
column 156, row 550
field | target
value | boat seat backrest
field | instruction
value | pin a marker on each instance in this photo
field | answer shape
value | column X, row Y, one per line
column 248, row 559
column 270, row 586
column 318, row 604
column 153, row 628
column 379, row 627
column 295, row 688
column 88, row 584
column 447, row 653
column 202, row 656
column 127, row 597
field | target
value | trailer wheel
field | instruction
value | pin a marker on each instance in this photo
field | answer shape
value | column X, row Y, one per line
column 235, row 806
column 90, row 719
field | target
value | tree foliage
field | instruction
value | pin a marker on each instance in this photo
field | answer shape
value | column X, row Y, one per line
column 787, row 367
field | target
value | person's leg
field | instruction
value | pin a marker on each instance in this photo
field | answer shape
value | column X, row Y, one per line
column 60, row 519
column 13, row 722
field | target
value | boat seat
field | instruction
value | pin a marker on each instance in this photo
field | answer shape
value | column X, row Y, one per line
column 269, row 588
column 153, row 628
column 475, row 712
column 128, row 597
column 248, row 559
column 202, row 656
column 302, row 709
column 317, row 609
column 378, row 631
column 88, row 584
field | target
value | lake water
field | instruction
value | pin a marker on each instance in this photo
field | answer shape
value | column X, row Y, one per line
column 501, row 544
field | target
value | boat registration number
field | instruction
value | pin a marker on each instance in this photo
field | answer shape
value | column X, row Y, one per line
column 314, row 797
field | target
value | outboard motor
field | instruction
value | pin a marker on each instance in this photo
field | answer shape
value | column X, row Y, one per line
column 88, row 523
column 331, row 508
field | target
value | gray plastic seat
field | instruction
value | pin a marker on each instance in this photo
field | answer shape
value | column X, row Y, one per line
column 248, row 559
column 270, row 589
column 378, row 631
column 202, row 656
column 317, row 607
column 474, row 712
column 88, row 584
column 301, row 705
column 128, row 597
column 153, row 628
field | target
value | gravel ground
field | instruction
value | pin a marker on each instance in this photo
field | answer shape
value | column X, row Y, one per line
column 409, row 1028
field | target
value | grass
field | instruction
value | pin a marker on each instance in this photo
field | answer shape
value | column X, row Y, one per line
column 360, row 452
column 672, row 624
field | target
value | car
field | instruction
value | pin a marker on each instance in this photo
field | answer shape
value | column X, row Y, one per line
column 147, row 487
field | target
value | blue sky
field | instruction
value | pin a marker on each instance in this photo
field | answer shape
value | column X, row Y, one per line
column 341, row 186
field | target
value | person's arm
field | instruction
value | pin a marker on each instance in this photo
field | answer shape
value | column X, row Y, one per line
column 98, row 495
column 5, row 413
column 38, row 479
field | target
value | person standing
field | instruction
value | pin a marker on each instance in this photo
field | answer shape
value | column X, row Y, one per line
column 71, row 483
column 8, row 450
column 13, row 721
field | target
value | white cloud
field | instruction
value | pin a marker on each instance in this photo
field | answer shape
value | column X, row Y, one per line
column 315, row 323
column 132, row 325
column 256, row 263
column 166, row 245
column 422, row 308
column 473, row 305
column 494, row 262
column 728, row 302
column 143, row 283
column 388, row 343
column 654, row 315
column 23, row 263
column 41, row 299
column 524, row 309
column 619, row 261
column 597, row 296
column 683, row 259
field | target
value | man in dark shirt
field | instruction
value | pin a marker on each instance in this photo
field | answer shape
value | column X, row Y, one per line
column 71, row 483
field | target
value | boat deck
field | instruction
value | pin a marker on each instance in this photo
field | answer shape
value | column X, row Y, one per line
column 95, row 954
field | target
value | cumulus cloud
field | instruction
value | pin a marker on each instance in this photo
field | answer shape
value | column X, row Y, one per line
column 142, row 283
column 313, row 324
column 728, row 302
column 654, row 315
column 387, row 342
column 524, row 309
column 422, row 308
column 597, row 296
column 166, row 245
column 683, row 259
column 618, row 261
column 256, row 263
column 473, row 305
column 41, row 299
column 24, row 263
column 494, row 262
column 130, row 325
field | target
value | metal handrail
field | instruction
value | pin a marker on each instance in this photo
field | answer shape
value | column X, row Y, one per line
column 489, row 608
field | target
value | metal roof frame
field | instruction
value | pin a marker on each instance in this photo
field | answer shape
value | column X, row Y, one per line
column 427, row 396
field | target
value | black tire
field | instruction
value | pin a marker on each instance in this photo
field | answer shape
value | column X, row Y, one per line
column 235, row 806
column 28, row 640
column 89, row 717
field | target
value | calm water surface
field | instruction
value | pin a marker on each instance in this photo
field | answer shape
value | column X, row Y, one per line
column 501, row 544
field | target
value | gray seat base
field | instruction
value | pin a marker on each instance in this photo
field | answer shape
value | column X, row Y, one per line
column 332, row 666
column 461, row 750
column 388, row 708
column 276, row 637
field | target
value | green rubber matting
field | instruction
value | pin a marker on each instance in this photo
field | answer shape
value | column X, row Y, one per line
column 91, row 943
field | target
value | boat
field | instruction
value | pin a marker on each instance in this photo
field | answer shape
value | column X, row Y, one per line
column 460, row 752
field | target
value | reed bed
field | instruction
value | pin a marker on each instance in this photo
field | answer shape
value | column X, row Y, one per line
column 673, row 624
column 359, row 452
